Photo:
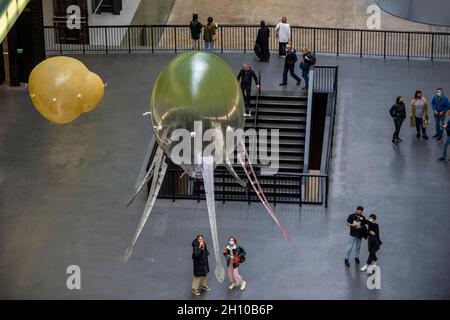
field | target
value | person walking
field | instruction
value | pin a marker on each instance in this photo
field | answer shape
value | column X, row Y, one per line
column 445, row 126
column 418, row 115
column 245, row 76
column 355, row 222
column 200, row 255
column 373, row 240
column 440, row 105
column 308, row 61
column 289, row 65
column 262, row 41
column 196, row 29
column 235, row 255
column 210, row 34
column 398, row 114
column 283, row 32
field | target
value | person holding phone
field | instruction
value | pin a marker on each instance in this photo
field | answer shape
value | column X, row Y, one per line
column 357, row 232
column 440, row 106
column 200, row 255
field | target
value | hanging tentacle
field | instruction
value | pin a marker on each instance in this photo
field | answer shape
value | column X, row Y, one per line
column 208, row 181
column 248, row 168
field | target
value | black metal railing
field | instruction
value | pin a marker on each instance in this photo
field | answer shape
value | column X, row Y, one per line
column 174, row 38
column 301, row 188
column 326, row 81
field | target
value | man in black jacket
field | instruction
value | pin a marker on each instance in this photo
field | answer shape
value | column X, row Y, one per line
column 355, row 222
column 289, row 65
column 245, row 76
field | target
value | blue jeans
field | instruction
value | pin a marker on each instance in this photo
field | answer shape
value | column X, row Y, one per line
column 209, row 46
column 351, row 243
column 439, row 120
column 445, row 148
column 305, row 73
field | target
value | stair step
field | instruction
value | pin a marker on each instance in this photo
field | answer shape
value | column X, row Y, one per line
column 264, row 110
column 278, row 118
column 286, row 103
column 285, row 126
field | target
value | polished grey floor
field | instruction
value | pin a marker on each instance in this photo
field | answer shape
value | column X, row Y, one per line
column 63, row 191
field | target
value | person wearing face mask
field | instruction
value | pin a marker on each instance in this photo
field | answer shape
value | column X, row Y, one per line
column 373, row 240
column 235, row 255
column 200, row 255
column 418, row 115
column 357, row 232
column 440, row 105
column 398, row 114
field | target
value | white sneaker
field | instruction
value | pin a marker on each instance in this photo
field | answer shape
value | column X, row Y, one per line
column 232, row 285
column 243, row 284
column 364, row 268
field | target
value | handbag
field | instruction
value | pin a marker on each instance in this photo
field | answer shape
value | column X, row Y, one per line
column 257, row 50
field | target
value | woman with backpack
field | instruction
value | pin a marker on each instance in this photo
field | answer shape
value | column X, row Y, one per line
column 235, row 255
column 309, row 60
column 196, row 29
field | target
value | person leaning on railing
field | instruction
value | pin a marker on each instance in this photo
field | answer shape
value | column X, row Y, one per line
column 196, row 30
column 210, row 34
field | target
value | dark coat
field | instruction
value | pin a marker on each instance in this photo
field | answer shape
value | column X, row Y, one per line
column 262, row 40
column 373, row 241
column 291, row 59
column 196, row 29
column 398, row 111
column 200, row 259
column 245, row 77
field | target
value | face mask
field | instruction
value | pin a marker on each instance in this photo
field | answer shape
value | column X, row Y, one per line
column 439, row 94
column 231, row 243
column 371, row 220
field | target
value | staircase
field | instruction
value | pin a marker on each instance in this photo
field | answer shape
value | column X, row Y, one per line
column 287, row 113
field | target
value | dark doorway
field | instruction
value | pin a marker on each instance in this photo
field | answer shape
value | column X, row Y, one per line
column 318, row 116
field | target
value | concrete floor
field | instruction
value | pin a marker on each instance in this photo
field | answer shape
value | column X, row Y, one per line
column 318, row 13
column 63, row 191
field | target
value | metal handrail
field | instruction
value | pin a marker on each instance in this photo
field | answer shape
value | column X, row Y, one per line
column 269, row 26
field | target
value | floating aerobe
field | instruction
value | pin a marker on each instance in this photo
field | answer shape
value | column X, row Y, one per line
column 197, row 89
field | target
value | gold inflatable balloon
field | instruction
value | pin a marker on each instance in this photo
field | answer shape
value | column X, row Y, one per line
column 62, row 88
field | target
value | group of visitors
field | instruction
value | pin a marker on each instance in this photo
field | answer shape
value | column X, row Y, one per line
column 234, row 255
column 209, row 33
column 419, row 117
column 362, row 228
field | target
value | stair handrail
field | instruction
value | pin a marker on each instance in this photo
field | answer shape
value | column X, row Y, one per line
column 308, row 119
column 258, row 93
